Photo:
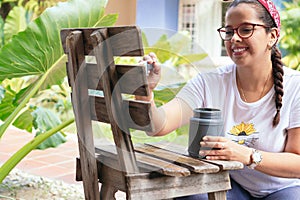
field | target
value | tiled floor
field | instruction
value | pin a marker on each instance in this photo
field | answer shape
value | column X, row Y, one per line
column 55, row 163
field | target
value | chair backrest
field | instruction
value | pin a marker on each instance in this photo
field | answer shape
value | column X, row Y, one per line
column 98, row 89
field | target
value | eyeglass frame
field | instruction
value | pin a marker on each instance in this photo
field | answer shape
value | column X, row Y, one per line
column 235, row 30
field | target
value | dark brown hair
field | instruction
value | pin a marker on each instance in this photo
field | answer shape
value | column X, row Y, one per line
column 277, row 65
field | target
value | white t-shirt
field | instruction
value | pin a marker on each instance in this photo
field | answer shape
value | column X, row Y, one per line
column 249, row 124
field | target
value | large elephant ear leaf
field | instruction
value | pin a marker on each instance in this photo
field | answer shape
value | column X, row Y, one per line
column 38, row 51
column 1, row 32
column 15, row 22
column 44, row 120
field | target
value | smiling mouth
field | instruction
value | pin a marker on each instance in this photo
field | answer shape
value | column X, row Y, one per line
column 238, row 50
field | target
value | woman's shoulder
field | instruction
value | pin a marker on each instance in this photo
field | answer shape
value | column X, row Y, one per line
column 219, row 71
column 216, row 76
column 291, row 81
column 227, row 69
column 291, row 74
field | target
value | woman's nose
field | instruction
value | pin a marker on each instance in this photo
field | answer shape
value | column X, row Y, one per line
column 235, row 36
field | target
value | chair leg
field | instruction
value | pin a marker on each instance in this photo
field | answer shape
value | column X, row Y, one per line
column 107, row 192
column 221, row 195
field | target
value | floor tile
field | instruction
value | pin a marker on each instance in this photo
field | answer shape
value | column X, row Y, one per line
column 57, row 163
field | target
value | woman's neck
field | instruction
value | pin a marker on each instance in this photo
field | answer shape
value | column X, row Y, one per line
column 254, row 83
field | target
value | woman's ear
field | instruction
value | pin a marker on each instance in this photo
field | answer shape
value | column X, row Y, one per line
column 274, row 36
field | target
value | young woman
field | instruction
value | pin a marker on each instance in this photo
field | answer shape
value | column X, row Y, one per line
column 260, row 102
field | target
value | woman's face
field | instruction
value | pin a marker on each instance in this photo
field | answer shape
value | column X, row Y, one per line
column 245, row 52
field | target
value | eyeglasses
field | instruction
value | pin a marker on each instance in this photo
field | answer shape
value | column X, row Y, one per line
column 244, row 31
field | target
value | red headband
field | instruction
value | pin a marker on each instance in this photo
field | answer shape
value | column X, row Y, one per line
column 271, row 8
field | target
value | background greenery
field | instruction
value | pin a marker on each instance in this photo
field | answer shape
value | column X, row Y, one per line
column 290, row 34
column 33, row 95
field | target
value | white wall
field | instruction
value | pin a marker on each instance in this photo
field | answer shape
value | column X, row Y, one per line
column 209, row 19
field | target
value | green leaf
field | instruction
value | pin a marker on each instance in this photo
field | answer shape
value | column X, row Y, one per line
column 6, row 106
column 145, row 40
column 37, row 51
column 38, row 48
column 24, row 121
column 166, row 93
column 1, row 32
column 12, row 96
column 190, row 58
column 43, row 121
column 14, row 22
column 6, row 1
column 174, row 50
column 290, row 33
column 180, row 42
column 2, row 92
column 108, row 20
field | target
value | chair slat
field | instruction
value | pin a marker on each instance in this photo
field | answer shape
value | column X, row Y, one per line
column 103, row 50
column 117, row 35
column 146, row 161
column 224, row 165
column 131, row 78
column 136, row 113
column 76, row 71
column 194, row 165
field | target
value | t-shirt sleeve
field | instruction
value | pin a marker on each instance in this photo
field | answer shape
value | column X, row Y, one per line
column 192, row 93
column 295, row 110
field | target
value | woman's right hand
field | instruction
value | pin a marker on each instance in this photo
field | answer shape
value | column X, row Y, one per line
column 155, row 73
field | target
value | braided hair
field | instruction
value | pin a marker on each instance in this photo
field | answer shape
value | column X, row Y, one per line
column 277, row 65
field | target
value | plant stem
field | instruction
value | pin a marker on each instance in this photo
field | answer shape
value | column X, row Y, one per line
column 27, row 148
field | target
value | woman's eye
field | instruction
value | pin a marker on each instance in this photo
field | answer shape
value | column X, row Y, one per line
column 229, row 32
column 245, row 30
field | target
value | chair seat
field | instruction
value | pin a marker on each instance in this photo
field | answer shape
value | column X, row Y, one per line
column 166, row 171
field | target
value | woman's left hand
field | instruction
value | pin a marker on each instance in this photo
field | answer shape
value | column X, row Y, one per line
column 225, row 149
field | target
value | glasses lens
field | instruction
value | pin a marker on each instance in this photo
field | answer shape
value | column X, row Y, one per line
column 245, row 30
column 226, row 33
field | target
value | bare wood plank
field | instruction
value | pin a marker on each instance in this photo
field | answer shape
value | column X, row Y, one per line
column 164, row 167
column 136, row 113
column 170, row 146
column 131, row 78
column 98, row 109
column 113, row 100
column 76, row 70
column 221, row 195
column 194, row 165
column 146, row 162
column 108, row 192
column 169, row 187
column 224, row 165
column 113, row 176
column 132, row 34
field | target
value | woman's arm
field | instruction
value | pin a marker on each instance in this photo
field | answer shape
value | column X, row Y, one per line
column 285, row 164
column 170, row 116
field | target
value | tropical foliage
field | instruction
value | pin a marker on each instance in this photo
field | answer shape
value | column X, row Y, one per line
column 290, row 17
column 33, row 62
column 16, row 14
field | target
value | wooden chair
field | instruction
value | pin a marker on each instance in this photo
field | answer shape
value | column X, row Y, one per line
column 144, row 171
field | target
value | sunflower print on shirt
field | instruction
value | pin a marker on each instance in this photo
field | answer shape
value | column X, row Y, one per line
column 244, row 134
